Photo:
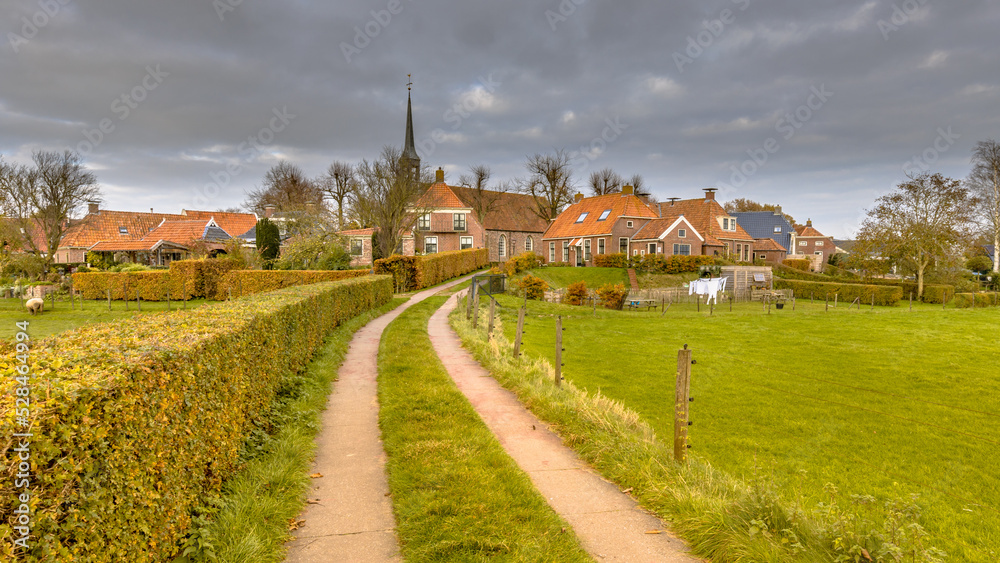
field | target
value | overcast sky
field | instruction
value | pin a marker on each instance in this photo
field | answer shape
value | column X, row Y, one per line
column 818, row 106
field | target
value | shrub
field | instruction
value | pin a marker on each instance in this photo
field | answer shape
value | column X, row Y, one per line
column 576, row 293
column 797, row 263
column 416, row 272
column 136, row 422
column 521, row 263
column 533, row 286
column 248, row 282
column 612, row 295
column 268, row 241
column 558, row 264
column 129, row 267
column 618, row 260
column 653, row 263
column 199, row 278
column 848, row 292
column 149, row 285
column 967, row 300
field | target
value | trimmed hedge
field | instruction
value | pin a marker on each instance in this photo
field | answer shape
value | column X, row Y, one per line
column 797, row 263
column 968, row 300
column 884, row 295
column 938, row 294
column 417, row 272
column 151, row 286
column 138, row 421
column 248, row 282
column 200, row 278
column 653, row 263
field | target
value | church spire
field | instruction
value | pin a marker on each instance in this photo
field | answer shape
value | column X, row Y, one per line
column 410, row 157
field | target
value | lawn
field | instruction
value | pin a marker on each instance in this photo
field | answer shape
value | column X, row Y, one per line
column 889, row 403
column 561, row 277
column 64, row 318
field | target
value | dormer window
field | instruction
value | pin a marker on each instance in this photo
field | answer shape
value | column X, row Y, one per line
column 777, row 228
column 728, row 224
column 582, row 216
column 604, row 215
column 123, row 230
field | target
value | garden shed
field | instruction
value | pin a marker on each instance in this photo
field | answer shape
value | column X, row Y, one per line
column 742, row 280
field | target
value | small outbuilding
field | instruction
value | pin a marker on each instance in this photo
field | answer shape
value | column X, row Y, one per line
column 742, row 280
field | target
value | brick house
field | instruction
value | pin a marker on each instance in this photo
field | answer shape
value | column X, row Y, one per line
column 769, row 251
column 449, row 219
column 767, row 225
column 670, row 235
column 721, row 230
column 809, row 241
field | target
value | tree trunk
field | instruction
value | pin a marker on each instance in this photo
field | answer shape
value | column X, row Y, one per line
column 996, row 254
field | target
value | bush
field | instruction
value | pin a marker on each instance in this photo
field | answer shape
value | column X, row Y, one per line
column 618, row 260
column 848, row 292
column 149, row 285
column 248, row 282
column 315, row 251
column 129, row 267
column 967, row 300
column 612, row 295
column 522, row 263
column 798, row 264
column 416, row 272
column 199, row 278
column 576, row 293
column 653, row 263
column 559, row 264
column 534, row 287
column 138, row 421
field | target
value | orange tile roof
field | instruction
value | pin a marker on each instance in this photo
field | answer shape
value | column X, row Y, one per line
column 620, row 205
column 510, row 211
column 180, row 232
column 702, row 214
column 105, row 225
column 357, row 232
column 440, row 196
column 656, row 227
column 765, row 244
column 123, row 246
column 37, row 234
column 235, row 224
column 808, row 231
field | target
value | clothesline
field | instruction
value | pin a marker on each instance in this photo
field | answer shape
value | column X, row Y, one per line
column 707, row 286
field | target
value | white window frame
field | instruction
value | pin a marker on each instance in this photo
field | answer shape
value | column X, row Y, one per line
column 600, row 246
column 552, row 251
column 582, row 217
column 651, row 247
column 427, row 241
column 819, row 243
column 422, row 220
column 502, row 246
column 529, row 244
column 628, row 224
column 818, row 253
column 803, row 243
column 361, row 243
column 635, row 252
column 679, row 247
column 586, row 251
column 682, row 233
column 777, row 228
column 462, row 243
column 620, row 249
column 459, row 223
column 565, row 251
column 604, row 215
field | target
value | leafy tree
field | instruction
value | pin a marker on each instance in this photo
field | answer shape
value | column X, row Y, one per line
column 740, row 205
column 922, row 223
column 315, row 250
column 549, row 182
column 383, row 198
column 984, row 184
column 44, row 198
column 606, row 181
column 979, row 264
column 268, row 241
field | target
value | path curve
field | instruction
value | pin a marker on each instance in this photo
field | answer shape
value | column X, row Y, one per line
column 352, row 519
column 611, row 526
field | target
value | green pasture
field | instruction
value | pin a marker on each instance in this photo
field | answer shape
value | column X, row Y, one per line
column 65, row 317
column 887, row 403
column 560, row 277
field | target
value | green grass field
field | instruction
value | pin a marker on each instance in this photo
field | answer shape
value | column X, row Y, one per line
column 888, row 403
column 64, row 317
column 561, row 277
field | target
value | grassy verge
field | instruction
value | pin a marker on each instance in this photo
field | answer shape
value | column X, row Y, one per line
column 723, row 517
column 63, row 317
column 457, row 496
column 250, row 521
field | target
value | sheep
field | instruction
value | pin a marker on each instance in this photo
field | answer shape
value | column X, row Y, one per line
column 35, row 305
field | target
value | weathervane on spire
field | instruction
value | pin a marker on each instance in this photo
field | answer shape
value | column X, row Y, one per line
column 409, row 82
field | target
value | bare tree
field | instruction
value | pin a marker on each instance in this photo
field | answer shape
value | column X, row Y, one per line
column 606, row 181
column 337, row 184
column 286, row 188
column 924, row 221
column 483, row 198
column 45, row 196
column 549, row 182
column 383, row 198
column 639, row 185
column 984, row 185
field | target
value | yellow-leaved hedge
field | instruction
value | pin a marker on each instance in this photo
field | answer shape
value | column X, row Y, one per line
column 201, row 277
column 417, row 272
column 248, row 282
column 137, row 421
column 150, row 286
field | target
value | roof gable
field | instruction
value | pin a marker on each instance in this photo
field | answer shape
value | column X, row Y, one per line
column 621, row 206
column 660, row 228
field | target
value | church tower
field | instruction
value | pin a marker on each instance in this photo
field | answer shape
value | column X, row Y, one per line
column 410, row 160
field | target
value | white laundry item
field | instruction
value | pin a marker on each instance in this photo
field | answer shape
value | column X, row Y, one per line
column 710, row 287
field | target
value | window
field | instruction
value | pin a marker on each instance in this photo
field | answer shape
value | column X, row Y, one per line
column 818, row 253
column 803, row 243
column 604, row 215
column 430, row 245
column 586, row 250
column 357, row 246
column 458, row 222
column 739, row 251
column 464, row 243
column 424, row 222
column 652, row 248
column 502, row 248
column 565, row 251
column 682, row 233
column 582, row 216
column 600, row 246
column 682, row 250
column 635, row 252
column 725, row 223
column 123, row 230
column 777, row 228
column 732, row 224
column 552, row 252
column 819, row 243
column 529, row 245
column 623, row 245
column 746, row 253
column 628, row 224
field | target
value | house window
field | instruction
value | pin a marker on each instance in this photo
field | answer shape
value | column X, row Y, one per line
column 818, row 253
column 502, row 249
column 357, row 246
column 635, row 252
column 529, row 245
column 681, row 233
column 586, row 250
column 642, row 252
column 732, row 224
column 604, row 215
column 652, row 248
column 739, row 251
column 803, row 243
column 819, row 243
column 682, row 250
column 582, row 216
column 424, row 222
column 430, row 245
column 746, row 252
column 777, row 228
column 458, row 221
column 600, row 246
column 123, row 230
column 628, row 224
column 565, row 251
column 552, row 252
column 464, row 243
column 623, row 245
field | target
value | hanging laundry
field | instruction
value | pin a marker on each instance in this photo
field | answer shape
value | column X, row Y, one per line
column 707, row 286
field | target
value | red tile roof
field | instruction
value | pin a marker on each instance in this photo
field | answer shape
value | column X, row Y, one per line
column 656, row 227
column 235, row 224
column 35, row 231
column 765, row 244
column 509, row 211
column 180, row 232
column 357, row 232
column 620, row 205
column 702, row 214
column 106, row 226
column 808, row 231
column 440, row 196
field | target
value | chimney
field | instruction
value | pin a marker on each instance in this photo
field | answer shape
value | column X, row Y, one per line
column 673, row 200
column 578, row 197
column 93, row 206
column 628, row 190
column 777, row 210
column 439, row 175
column 809, row 222
column 268, row 210
column 710, row 194
column 150, row 209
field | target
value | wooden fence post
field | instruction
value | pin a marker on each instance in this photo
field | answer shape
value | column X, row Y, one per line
column 873, row 301
column 468, row 300
column 72, row 302
column 168, row 298
column 520, row 331
column 475, row 312
column 827, row 302
column 138, row 301
column 836, row 298
column 682, row 398
column 699, row 302
column 793, row 303
column 730, row 303
column 125, row 294
column 911, row 301
column 559, row 351
column 109, row 299
column 184, row 292
column 493, row 314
